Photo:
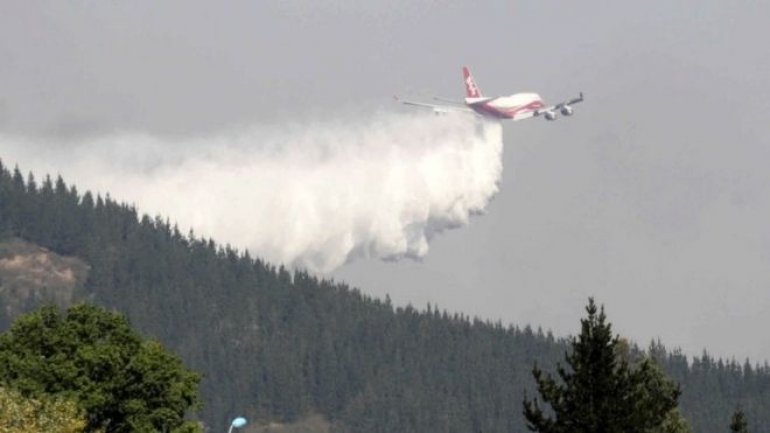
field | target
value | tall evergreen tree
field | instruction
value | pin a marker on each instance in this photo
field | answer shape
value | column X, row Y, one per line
column 600, row 392
column 738, row 424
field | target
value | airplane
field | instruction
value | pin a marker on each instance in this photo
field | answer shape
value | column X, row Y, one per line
column 514, row 107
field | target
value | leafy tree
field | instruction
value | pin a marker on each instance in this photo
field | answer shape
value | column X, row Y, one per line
column 739, row 424
column 123, row 382
column 600, row 392
column 41, row 415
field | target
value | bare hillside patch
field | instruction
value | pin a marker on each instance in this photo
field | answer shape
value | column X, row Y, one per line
column 31, row 275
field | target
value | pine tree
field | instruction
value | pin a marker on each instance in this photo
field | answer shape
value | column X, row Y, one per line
column 739, row 423
column 600, row 392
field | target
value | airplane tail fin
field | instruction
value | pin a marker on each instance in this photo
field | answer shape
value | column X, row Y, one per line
column 471, row 89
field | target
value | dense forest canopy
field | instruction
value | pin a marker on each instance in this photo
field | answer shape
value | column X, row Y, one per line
column 278, row 345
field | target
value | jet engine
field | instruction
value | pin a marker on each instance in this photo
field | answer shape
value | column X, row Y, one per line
column 550, row 115
column 567, row 110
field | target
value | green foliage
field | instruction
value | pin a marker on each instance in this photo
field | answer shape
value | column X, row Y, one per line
column 673, row 423
column 738, row 424
column 41, row 415
column 600, row 392
column 123, row 382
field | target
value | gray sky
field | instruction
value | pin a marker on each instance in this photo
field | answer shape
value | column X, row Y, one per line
column 654, row 197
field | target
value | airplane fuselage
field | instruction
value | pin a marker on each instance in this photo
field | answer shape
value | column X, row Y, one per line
column 514, row 107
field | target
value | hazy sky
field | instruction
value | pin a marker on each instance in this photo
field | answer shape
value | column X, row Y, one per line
column 654, row 197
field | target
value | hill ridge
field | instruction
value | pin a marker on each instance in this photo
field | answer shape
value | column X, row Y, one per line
column 277, row 345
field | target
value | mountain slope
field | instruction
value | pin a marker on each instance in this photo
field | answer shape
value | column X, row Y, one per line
column 276, row 346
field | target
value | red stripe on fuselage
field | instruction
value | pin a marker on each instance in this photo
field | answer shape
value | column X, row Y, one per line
column 486, row 109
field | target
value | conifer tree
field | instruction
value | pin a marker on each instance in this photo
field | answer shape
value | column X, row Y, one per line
column 738, row 423
column 600, row 392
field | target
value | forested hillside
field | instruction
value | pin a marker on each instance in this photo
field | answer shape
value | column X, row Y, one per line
column 276, row 345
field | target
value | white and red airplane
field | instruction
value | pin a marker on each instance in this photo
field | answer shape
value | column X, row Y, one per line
column 514, row 107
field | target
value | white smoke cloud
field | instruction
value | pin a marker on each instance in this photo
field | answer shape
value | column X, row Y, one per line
column 313, row 196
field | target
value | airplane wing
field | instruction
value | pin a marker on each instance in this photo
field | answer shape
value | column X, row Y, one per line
column 449, row 101
column 566, row 105
column 437, row 108
column 571, row 101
